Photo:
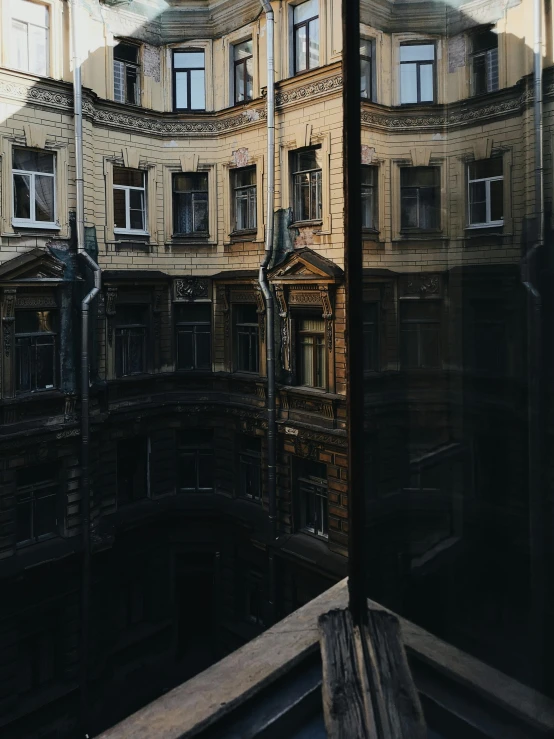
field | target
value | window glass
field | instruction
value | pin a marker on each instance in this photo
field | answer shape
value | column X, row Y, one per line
column 193, row 327
column 305, row 11
column 30, row 37
column 190, row 204
column 189, row 88
column 188, row 59
column 246, row 338
column 417, row 52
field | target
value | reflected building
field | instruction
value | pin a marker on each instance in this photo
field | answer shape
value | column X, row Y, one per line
column 183, row 564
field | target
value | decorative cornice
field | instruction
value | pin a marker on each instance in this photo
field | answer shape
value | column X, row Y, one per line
column 309, row 90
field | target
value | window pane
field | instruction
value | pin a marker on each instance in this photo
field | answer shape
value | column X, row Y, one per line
column 417, row 52
column 189, row 182
column 307, row 360
column 200, row 212
column 306, row 10
column 484, row 41
column 38, row 50
column 409, row 208
column 243, row 50
column 119, row 81
column 188, row 59
column 23, row 521
column 203, row 341
column 126, row 53
column 301, row 58
column 119, row 209
column 21, row 196
column 314, row 43
column 428, row 208
column 45, row 513
column 193, row 313
column 366, row 47
column 181, row 90
column 132, row 85
column 33, row 161
column 130, row 177
column 249, row 78
column 239, row 83
column 44, row 198
column 185, row 349
column 306, row 160
column 479, row 74
column 368, row 208
column 485, row 168
column 44, row 363
column 426, row 83
column 23, row 364
column 477, row 202
column 497, row 200
column 19, row 47
column 205, row 469
column 136, row 351
column 365, row 71
column 136, row 213
column 408, row 83
column 247, row 314
column 197, row 92
column 187, row 470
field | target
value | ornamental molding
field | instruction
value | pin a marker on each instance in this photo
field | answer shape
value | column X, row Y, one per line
column 190, row 288
column 422, row 285
column 309, row 90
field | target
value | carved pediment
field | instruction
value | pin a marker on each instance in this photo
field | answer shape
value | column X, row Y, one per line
column 35, row 264
column 306, row 264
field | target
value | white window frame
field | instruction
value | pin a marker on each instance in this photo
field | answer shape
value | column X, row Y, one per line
column 487, row 181
column 124, row 65
column 127, row 189
column 32, row 222
column 14, row 17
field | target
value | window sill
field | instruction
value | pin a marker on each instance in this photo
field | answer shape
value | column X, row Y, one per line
column 305, row 224
column 408, row 233
column 190, row 241
column 310, row 532
column 124, row 232
column 34, row 225
column 241, row 235
column 484, row 226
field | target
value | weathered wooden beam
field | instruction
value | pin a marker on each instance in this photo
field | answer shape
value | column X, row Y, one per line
column 368, row 690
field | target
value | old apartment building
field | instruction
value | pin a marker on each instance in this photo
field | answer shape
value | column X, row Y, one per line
column 183, row 564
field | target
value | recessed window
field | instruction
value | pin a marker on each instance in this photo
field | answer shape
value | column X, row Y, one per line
column 305, row 36
column 193, row 336
column 189, row 80
column 484, row 63
column 306, row 177
column 250, row 467
column 243, row 183
column 243, row 65
column 130, row 340
column 367, row 70
column 420, row 198
column 30, row 37
column 34, row 188
column 36, row 503
column 486, row 192
column 35, row 350
column 420, row 334
column 195, row 453
column 370, row 337
column 190, row 204
column 417, row 73
column 310, row 332
column 129, row 200
column 132, row 469
column 313, row 497
column 247, row 351
column 126, row 74
column 369, row 197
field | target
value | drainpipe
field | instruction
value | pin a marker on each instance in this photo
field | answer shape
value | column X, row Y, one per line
column 89, row 263
column 530, row 270
column 269, row 301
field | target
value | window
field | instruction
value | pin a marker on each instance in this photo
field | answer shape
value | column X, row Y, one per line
column 195, row 455
column 486, row 192
column 417, row 73
column 29, row 41
column 130, row 340
column 371, row 337
column 487, row 344
column 189, row 86
column 126, row 74
column 243, row 64
column 369, row 198
column 311, row 354
column 307, row 185
column 250, row 467
column 190, row 204
column 246, row 339
column 193, row 336
column 484, row 63
column 129, row 200
column 132, row 469
column 35, row 350
column 34, row 189
column 420, row 198
column 243, row 182
column 367, row 71
column 36, row 503
column 305, row 36
column 312, row 484
column 420, row 334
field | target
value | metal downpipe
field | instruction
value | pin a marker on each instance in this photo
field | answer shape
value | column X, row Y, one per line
column 269, row 300
column 85, row 362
